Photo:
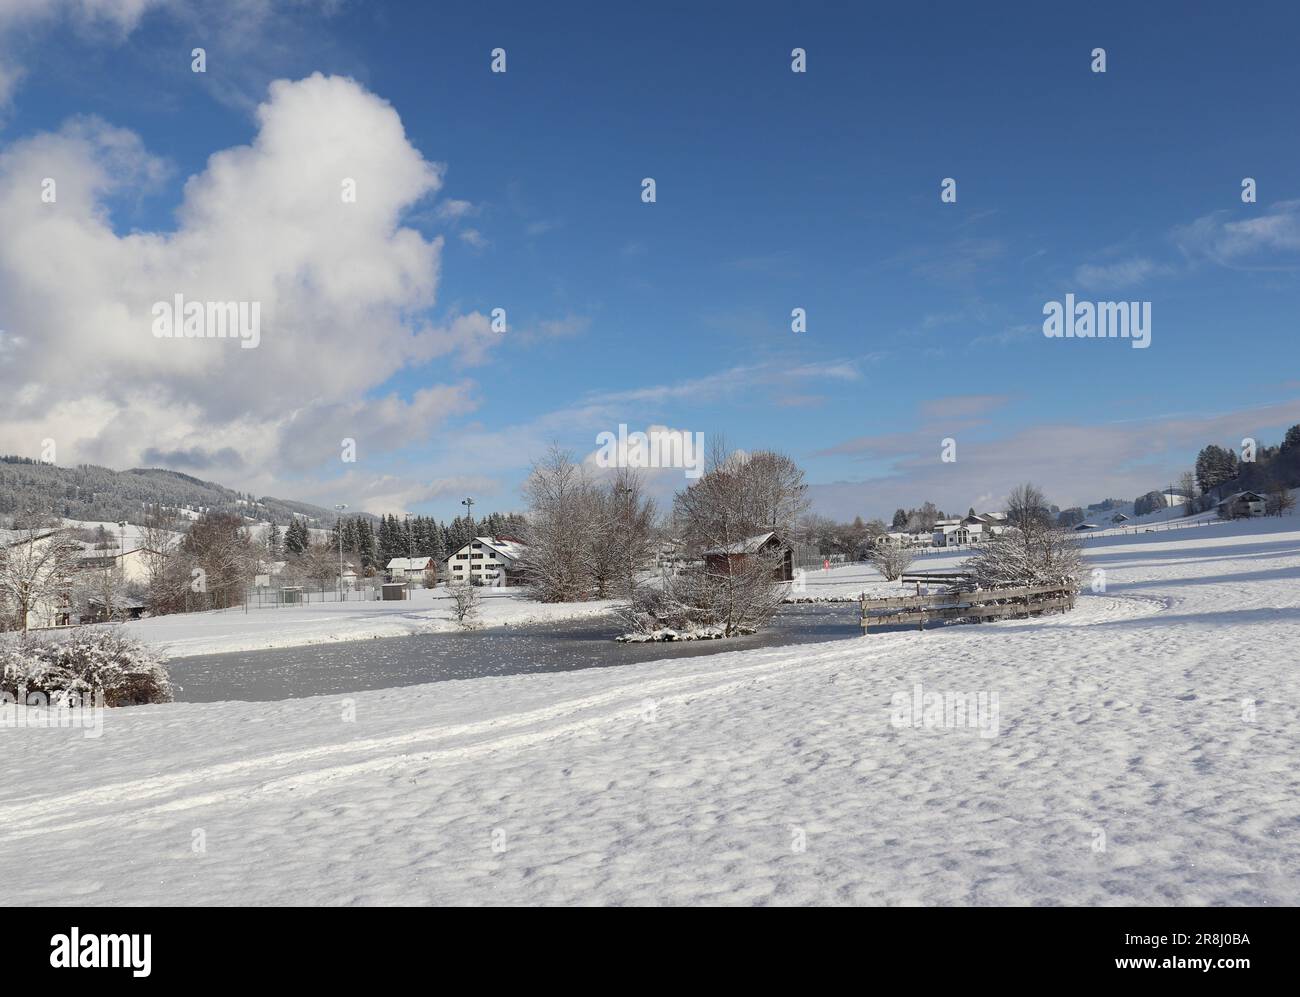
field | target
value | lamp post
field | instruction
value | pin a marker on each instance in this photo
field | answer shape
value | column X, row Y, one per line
column 468, row 503
column 121, row 553
column 339, row 526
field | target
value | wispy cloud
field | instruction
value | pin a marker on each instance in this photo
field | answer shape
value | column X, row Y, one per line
column 1121, row 274
column 961, row 406
column 1270, row 241
column 1075, row 463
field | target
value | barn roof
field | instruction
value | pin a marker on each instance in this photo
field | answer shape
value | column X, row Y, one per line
column 747, row 546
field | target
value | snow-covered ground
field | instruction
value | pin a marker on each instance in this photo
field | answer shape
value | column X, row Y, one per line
column 1143, row 752
column 427, row 611
column 849, row 581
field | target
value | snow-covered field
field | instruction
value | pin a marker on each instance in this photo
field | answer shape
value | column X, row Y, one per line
column 848, row 582
column 427, row 611
column 1143, row 751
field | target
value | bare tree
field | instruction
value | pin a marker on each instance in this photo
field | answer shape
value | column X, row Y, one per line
column 464, row 601
column 36, row 569
column 1027, row 507
column 1279, row 501
column 557, row 557
column 741, row 495
column 320, row 563
column 219, row 555
column 1187, row 485
column 890, row 559
column 106, row 587
column 160, row 534
column 621, row 533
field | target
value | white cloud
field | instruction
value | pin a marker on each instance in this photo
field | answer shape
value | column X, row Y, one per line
column 114, row 19
column 341, row 287
column 452, row 209
column 474, row 238
column 1267, row 241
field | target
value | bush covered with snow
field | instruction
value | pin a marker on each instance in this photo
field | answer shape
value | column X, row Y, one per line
column 1035, row 554
column 890, row 559
column 128, row 672
column 736, row 599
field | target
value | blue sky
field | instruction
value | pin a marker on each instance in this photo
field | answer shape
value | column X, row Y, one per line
column 776, row 190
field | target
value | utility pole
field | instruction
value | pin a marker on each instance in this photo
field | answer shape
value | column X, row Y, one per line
column 338, row 525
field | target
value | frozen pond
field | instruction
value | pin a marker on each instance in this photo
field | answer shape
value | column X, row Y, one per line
column 353, row 666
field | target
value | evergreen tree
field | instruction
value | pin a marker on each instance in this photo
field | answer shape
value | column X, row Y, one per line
column 366, row 545
column 275, row 542
column 900, row 520
column 296, row 537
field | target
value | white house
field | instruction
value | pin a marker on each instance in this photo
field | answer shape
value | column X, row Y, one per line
column 1242, row 504
column 957, row 534
column 490, row 561
column 992, row 524
column 133, row 564
column 410, row 568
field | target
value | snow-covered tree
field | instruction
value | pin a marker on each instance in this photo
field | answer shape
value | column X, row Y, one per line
column 890, row 559
column 36, row 569
column 464, row 601
column 1032, row 554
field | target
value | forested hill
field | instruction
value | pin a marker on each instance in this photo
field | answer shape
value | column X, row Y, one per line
column 95, row 493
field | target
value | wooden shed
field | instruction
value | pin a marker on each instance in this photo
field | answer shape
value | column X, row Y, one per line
column 731, row 558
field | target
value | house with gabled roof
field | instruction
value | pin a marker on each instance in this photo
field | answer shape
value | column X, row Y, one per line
column 494, row 562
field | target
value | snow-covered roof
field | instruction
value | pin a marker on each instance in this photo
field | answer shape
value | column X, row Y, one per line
column 12, row 538
column 506, row 547
column 512, row 549
column 747, row 546
column 1247, row 496
column 410, row 564
column 947, row 528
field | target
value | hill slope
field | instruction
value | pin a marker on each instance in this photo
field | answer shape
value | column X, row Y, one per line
column 88, row 492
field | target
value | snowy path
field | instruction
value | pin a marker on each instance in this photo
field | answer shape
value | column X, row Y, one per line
column 693, row 780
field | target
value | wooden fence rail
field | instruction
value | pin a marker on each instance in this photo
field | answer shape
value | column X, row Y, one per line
column 985, row 604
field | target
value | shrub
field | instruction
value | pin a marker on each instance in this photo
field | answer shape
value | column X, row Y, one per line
column 128, row 672
column 890, row 559
column 737, row 599
column 1034, row 555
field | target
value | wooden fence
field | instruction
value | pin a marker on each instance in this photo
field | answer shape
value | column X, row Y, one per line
column 986, row 604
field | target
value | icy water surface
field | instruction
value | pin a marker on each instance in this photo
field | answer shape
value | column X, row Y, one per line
column 353, row 666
